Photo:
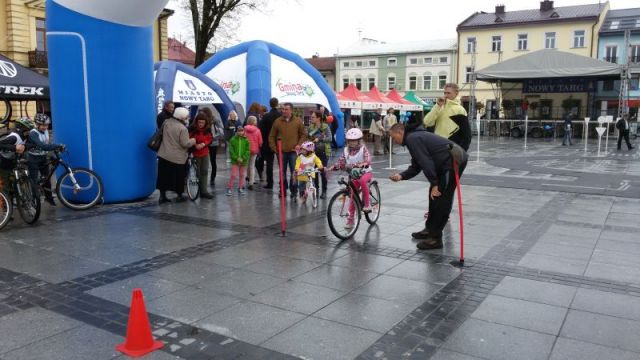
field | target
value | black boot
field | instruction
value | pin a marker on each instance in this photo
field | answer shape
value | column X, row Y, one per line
column 430, row 243
column 163, row 198
column 422, row 234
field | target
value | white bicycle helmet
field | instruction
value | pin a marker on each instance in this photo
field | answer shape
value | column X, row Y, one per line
column 354, row 134
column 308, row 145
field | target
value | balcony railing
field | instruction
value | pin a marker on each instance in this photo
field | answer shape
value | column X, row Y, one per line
column 38, row 59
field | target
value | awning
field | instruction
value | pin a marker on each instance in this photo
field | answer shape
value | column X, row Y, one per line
column 411, row 96
column 406, row 105
column 346, row 103
column 352, row 93
column 376, row 95
column 19, row 83
column 548, row 64
column 633, row 103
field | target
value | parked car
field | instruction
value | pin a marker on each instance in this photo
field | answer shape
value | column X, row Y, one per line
column 534, row 130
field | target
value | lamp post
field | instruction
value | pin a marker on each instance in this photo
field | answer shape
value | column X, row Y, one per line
column 586, row 132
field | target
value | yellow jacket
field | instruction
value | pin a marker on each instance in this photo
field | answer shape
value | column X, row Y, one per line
column 307, row 162
column 440, row 117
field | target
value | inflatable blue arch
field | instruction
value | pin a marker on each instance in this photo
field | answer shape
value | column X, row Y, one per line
column 182, row 84
column 257, row 70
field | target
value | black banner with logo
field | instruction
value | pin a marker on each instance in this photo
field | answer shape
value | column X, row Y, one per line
column 558, row 85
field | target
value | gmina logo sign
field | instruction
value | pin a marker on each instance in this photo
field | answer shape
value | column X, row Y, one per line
column 294, row 89
column 230, row 86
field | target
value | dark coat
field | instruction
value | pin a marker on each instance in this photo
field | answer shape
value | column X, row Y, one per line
column 164, row 115
column 265, row 125
column 429, row 154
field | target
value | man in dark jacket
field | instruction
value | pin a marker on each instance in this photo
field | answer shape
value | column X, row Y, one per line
column 166, row 113
column 265, row 128
column 623, row 131
column 434, row 156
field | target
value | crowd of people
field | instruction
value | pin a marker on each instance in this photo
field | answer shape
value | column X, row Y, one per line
column 437, row 145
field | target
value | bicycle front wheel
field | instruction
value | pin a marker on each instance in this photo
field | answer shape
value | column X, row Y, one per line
column 342, row 225
column 374, row 198
column 193, row 182
column 314, row 197
column 6, row 209
column 80, row 189
column 28, row 200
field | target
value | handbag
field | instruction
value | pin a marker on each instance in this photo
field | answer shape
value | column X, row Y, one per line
column 155, row 140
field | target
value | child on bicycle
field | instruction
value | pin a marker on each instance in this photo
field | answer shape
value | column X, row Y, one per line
column 356, row 159
column 239, row 155
column 38, row 155
column 306, row 160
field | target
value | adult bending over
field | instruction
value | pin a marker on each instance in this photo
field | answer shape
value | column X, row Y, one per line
column 433, row 155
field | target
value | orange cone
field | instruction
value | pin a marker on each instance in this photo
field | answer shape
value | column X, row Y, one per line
column 139, row 340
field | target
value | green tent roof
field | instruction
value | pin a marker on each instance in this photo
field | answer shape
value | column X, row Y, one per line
column 411, row 96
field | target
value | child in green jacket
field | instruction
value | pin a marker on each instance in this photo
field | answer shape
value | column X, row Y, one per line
column 239, row 154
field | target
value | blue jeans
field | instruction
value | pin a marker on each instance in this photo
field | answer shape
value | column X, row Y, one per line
column 567, row 137
column 289, row 162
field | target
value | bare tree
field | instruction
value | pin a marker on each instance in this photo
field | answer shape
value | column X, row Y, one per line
column 215, row 22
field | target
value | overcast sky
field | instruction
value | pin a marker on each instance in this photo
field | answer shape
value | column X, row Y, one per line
column 313, row 26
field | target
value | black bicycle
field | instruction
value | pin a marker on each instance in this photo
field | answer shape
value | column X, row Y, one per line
column 23, row 192
column 77, row 188
column 345, row 209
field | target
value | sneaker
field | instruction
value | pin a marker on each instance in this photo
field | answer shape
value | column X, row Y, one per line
column 366, row 209
column 349, row 225
column 228, row 192
column 50, row 200
column 323, row 196
column 241, row 192
column 206, row 196
column 250, row 187
column 180, row 199
column 268, row 187
column 163, row 201
column 431, row 243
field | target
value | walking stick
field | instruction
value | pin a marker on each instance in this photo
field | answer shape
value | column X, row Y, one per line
column 283, row 226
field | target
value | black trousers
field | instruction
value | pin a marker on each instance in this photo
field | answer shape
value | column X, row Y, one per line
column 38, row 166
column 323, row 157
column 440, row 207
column 624, row 134
column 267, row 156
column 214, row 167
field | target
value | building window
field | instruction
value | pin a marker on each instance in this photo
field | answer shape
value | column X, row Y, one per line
column 392, row 62
column 607, row 85
column 635, row 54
column 359, row 83
column 372, row 82
column 444, row 60
column 442, row 80
column 610, row 54
column 578, row 38
column 413, row 82
column 467, row 74
column 391, row 82
column 471, row 45
column 614, row 25
column 428, row 60
column 496, row 43
column 550, row 40
column 41, row 35
column 522, row 41
column 372, row 63
column 345, row 83
column 345, row 64
column 413, row 61
column 358, row 63
column 426, row 82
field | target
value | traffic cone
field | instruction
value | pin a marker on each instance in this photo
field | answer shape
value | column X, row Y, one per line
column 139, row 340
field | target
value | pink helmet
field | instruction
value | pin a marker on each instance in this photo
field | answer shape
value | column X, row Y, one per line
column 354, row 134
column 308, row 145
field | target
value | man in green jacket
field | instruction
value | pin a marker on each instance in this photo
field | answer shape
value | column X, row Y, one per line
column 290, row 130
column 440, row 115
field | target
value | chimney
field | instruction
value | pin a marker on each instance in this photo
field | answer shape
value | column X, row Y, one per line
column 500, row 9
column 546, row 5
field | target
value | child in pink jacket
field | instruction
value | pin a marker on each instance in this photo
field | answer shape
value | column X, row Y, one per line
column 255, row 141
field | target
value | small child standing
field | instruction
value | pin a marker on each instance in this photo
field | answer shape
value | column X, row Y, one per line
column 239, row 154
column 201, row 131
column 255, row 141
column 357, row 160
column 306, row 160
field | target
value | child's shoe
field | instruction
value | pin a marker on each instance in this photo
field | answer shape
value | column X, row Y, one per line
column 366, row 209
column 241, row 192
column 228, row 192
column 349, row 225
